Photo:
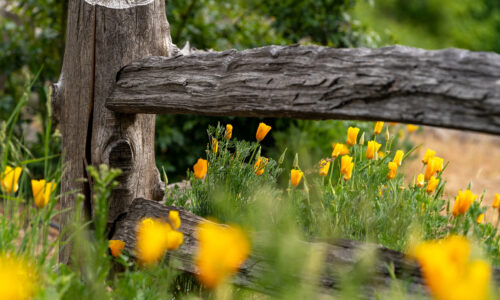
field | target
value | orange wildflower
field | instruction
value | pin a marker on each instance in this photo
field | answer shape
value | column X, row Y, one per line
column 116, row 247
column 372, row 147
column 229, row 132
column 462, row 202
column 352, row 135
column 378, row 128
column 393, row 168
column 296, row 177
column 262, row 131
column 260, row 165
column 200, row 168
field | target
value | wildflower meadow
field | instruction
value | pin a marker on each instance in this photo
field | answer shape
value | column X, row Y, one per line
column 256, row 205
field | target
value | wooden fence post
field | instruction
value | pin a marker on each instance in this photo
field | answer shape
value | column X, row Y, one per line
column 102, row 37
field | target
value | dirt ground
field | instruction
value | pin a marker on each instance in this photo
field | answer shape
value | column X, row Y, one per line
column 473, row 157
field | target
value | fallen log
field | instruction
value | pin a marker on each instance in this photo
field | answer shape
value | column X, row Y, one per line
column 339, row 254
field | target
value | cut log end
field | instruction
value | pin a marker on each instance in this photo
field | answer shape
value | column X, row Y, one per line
column 119, row 4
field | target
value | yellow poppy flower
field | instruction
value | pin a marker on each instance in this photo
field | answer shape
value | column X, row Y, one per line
column 480, row 218
column 372, row 147
column 324, row 167
column 420, row 180
column 175, row 220
column 398, row 157
column 448, row 271
column 116, row 247
column 411, row 128
column 262, row 131
column 296, row 177
column 431, row 185
column 462, row 202
column 200, row 168
column 41, row 191
column 496, row 201
column 429, row 153
column 434, row 165
column 378, row 127
column 393, row 123
column 339, row 149
column 152, row 240
column 260, row 165
column 352, row 135
column 9, row 179
column 229, row 132
column 215, row 145
column 221, row 251
column 381, row 154
column 393, row 168
column 346, row 166
column 17, row 278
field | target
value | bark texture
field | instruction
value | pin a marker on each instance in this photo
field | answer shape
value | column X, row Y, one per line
column 102, row 37
column 447, row 88
column 340, row 255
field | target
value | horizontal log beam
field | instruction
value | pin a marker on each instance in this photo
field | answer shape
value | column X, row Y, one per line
column 446, row 88
column 340, row 254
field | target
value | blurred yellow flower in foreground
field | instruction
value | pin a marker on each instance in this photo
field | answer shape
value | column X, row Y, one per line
column 462, row 202
column 154, row 237
column 352, row 135
column 346, row 166
column 296, row 177
column 398, row 157
column 262, row 131
column 378, row 127
column 429, row 153
column 432, row 184
column 448, row 271
column 381, row 154
column 9, row 179
column 260, row 165
column 41, row 191
column 229, row 132
column 372, row 147
column 411, row 128
column 17, row 278
column 221, row 251
column 116, row 247
column 200, row 168
column 393, row 168
column 420, row 180
column 324, row 167
column 339, row 149
column 496, row 201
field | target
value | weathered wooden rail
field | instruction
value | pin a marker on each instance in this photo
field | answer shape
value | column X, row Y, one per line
column 120, row 68
column 448, row 88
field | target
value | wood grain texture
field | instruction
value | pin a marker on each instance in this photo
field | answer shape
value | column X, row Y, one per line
column 342, row 253
column 101, row 39
column 71, row 101
column 447, row 88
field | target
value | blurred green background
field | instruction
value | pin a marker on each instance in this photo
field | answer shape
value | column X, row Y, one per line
column 32, row 37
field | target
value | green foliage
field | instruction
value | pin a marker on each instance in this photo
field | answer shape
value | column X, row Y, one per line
column 468, row 24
